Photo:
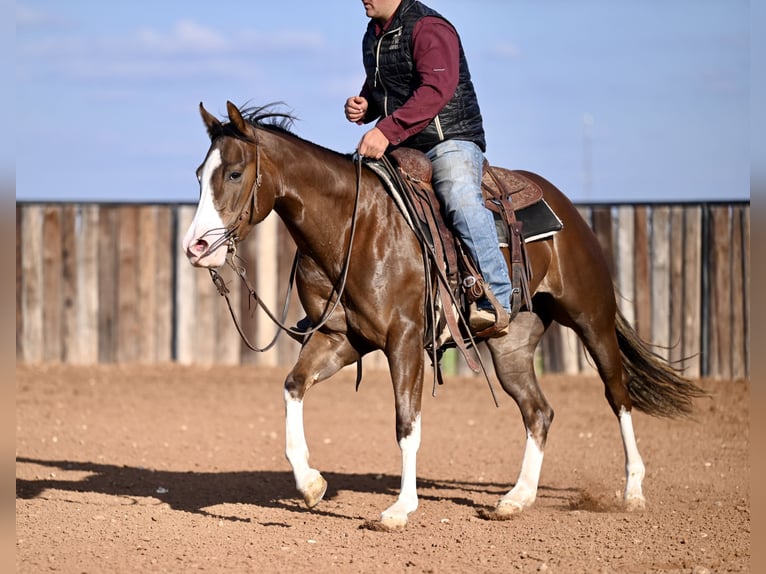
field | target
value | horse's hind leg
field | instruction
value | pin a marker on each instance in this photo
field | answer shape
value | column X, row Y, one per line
column 321, row 357
column 597, row 332
column 513, row 357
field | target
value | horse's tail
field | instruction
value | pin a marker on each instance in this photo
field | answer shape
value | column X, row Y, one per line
column 655, row 387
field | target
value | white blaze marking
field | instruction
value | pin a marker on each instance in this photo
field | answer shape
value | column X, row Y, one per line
column 206, row 219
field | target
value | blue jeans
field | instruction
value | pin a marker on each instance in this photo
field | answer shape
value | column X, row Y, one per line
column 457, row 168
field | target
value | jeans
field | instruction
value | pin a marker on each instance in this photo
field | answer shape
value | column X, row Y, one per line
column 457, row 168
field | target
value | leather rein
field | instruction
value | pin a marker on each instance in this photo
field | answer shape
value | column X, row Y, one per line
column 231, row 238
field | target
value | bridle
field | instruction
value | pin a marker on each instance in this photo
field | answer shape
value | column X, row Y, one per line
column 231, row 237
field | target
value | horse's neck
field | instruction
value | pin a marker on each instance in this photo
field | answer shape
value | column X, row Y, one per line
column 316, row 203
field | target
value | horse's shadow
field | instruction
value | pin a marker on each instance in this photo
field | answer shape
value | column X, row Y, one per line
column 198, row 492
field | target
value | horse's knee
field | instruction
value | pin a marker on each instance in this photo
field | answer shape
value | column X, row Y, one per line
column 295, row 386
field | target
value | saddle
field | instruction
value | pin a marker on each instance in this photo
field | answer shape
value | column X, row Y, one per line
column 406, row 173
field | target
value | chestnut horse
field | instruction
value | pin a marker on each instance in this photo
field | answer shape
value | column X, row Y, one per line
column 255, row 165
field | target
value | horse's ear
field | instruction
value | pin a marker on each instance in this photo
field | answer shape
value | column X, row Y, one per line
column 211, row 122
column 236, row 119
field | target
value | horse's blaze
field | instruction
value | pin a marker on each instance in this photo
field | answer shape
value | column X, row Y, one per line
column 207, row 225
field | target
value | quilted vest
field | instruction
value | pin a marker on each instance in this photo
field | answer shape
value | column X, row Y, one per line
column 392, row 78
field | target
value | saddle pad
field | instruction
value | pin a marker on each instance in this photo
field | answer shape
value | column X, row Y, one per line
column 538, row 220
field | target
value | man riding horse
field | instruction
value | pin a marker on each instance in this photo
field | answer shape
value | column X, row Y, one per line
column 419, row 88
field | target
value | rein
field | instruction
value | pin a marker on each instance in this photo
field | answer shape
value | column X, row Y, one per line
column 231, row 238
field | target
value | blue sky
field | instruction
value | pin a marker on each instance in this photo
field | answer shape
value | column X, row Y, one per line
column 611, row 100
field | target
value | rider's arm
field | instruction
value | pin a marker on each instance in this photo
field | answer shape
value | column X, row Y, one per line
column 436, row 53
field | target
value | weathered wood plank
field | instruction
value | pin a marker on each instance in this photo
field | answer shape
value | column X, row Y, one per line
column 185, row 295
column 249, row 316
column 677, row 288
column 229, row 346
column 660, row 271
column 206, row 311
column 19, row 282
column 128, row 326
column 70, row 342
column 626, row 281
column 720, row 296
column 692, row 302
column 266, row 285
column 167, row 252
column 87, row 302
column 108, row 226
column 738, row 296
column 746, row 282
column 52, row 283
column 147, row 262
column 642, row 275
column 32, row 299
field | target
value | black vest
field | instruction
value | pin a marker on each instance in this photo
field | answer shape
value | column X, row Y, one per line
column 392, row 78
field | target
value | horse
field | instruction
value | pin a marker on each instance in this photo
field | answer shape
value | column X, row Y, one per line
column 347, row 229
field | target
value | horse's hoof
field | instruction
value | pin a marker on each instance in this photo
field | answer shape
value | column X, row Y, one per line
column 635, row 503
column 382, row 526
column 392, row 523
column 503, row 511
column 314, row 491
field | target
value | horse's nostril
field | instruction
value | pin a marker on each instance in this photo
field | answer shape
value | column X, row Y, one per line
column 199, row 247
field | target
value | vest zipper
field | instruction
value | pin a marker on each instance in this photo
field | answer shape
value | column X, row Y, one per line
column 438, row 125
column 377, row 69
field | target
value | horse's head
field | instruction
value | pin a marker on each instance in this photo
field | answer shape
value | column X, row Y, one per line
column 231, row 199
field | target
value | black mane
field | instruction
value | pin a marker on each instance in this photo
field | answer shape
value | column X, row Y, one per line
column 269, row 116
column 272, row 117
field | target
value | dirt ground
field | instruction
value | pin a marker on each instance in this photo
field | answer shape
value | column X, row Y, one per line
column 178, row 469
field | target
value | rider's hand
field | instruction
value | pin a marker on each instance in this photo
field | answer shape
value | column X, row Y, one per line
column 373, row 144
column 355, row 109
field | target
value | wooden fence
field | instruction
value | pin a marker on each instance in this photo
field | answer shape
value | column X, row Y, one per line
column 106, row 283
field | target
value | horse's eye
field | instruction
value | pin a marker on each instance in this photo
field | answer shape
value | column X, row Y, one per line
column 234, row 175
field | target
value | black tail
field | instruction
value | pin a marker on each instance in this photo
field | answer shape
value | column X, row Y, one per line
column 655, row 387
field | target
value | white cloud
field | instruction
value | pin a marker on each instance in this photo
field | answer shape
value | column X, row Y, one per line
column 186, row 50
column 186, row 36
column 504, row 51
column 29, row 16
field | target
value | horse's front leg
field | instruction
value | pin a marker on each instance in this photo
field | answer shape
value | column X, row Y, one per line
column 406, row 365
column 321, row 357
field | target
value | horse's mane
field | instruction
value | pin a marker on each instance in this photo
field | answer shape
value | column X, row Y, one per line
column 269, row 116
column 273, row 117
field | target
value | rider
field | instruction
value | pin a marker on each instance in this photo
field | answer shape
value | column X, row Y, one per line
column 419, row 85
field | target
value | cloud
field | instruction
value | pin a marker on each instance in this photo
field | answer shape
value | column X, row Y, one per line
column 185, row 37
column 186, row 50
column 504, row 51
column 27, row 16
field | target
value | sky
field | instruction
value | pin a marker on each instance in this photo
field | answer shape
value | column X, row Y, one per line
column 612, row 101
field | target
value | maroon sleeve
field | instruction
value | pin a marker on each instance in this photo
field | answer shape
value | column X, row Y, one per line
column 436, row 53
